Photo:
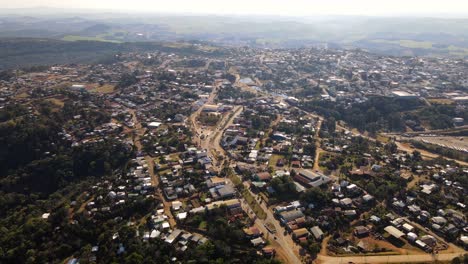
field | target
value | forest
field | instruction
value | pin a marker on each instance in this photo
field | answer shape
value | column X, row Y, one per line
column 388, row 114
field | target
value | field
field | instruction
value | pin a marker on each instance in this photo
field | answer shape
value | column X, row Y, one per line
column 448, row 142
column 81, row 38
column 407, row 43
column 56, row 102
column 424, row 45
column 105, row 89
column 274, row 158
column 440, row 101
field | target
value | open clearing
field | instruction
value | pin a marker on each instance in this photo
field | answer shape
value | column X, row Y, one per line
column 457, row 143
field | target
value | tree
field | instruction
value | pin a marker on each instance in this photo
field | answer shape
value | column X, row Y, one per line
column 316, row 196
column 417, row 156
column 134, row 258
column 127, row 80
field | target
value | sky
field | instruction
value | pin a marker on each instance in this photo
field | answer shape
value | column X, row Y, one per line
column 261, row 7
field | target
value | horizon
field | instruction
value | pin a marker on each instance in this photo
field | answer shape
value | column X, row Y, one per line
column 275, row 8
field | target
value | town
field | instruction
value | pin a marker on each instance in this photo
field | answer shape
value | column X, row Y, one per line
column 297, row 155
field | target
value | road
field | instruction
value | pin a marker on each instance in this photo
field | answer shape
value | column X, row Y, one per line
column 318, row 149
column 140, row 131
column 424, row 153
column 388, row 259
column 283, row 239
column 212, row 143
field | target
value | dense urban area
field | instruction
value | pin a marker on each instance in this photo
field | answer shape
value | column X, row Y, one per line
column 207, row 154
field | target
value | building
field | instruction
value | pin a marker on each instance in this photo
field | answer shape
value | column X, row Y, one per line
column 393, row 231
column 317, row 232
column 262, row 176
column 289, row 216
column 301, row 232
column 222, row 192
column 310, row 179
column 173, row 236
column 210, row 108
column 404, row 95
column 361, row 231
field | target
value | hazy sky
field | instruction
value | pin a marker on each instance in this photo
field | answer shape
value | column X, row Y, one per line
column 267, row 7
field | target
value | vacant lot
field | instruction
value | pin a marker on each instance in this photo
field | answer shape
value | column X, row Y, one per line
column 458, row 143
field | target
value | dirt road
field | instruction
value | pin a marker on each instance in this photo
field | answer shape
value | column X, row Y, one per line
column 388, row 259
column 140, row 131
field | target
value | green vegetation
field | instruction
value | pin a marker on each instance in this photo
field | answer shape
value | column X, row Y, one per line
column 387, row 114
column 259, row 212
column 41, row 172
column 23, row 52
column 446, row 152
column 208, row 119
column 230, row 92
column 407, row 43
column 228, row 243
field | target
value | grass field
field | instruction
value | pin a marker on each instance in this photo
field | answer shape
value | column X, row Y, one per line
column 382, row 138
column 253, row 204
column 274, row 158
column 56, row 102
column 22, row 95
column 407, row 43
column 411, row 44
column 441, row 101
column 105, row 89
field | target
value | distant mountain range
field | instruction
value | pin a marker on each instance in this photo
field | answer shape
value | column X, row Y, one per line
column 395, row 36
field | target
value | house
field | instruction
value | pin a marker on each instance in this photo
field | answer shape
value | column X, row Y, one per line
column 257, row 241
column 346, row 202
column 262, row 176
column 173, row 236
column 439, row 220
column 154, row 125
column 176, row 205
column 215, row 181
column 317, row 232
column 367, row 198
column 252, row 232
column 301, row 232
column 407, row 227
column 361, row 231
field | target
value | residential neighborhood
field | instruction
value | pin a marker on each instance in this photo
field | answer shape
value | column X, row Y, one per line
column 301, row 155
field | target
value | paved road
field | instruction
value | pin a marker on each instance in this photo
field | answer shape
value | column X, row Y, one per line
column 212, row 144
column 290, row 248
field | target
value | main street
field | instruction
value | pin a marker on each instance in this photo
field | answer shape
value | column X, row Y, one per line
column 212, row 143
